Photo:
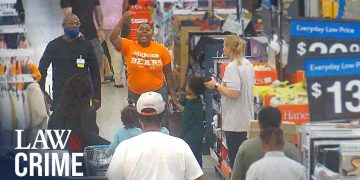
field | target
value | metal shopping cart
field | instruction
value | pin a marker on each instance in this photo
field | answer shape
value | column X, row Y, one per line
column 96, row 160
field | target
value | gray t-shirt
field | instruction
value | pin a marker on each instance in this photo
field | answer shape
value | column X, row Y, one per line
column 237, row 113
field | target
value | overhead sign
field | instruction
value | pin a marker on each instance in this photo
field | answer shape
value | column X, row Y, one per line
column 266, row 3
column 333, row 86
column 313, row 37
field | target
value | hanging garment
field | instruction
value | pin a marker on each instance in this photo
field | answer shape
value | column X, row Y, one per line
column 38, row 113
column 26, row 109
column 19, row 108
column 6, row 118
column 13, row 122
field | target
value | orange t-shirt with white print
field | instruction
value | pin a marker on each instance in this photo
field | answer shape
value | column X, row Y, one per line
column 145, row 65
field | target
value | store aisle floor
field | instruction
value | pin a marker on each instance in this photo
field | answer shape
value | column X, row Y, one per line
column 43, row 22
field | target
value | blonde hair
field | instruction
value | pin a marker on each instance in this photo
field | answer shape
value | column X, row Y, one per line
column 236, row 45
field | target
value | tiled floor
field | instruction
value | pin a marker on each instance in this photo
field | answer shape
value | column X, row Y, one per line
column 43, row 21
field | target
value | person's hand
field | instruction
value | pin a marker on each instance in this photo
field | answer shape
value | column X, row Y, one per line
column 101, row 35
column 81, row 35
column 96, row 104
column 49, row 101
column 127, row 14
column 211, row 84
column 174, row 103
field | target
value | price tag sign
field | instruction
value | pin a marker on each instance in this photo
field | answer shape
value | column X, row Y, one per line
column 266, row 3
column 314, row 37
column 333, row 86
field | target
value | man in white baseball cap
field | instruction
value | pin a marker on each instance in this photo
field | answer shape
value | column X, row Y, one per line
column 153, row 155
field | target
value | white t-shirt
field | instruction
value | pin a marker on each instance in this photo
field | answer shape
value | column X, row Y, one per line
column 274, row 166
column 237, row 113
column 153, row 156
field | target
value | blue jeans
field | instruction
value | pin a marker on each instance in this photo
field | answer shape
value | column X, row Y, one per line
column 133, row 97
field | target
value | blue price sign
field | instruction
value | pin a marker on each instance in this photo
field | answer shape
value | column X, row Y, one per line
column 333, row 86
column 266, row 3
column 314, row 37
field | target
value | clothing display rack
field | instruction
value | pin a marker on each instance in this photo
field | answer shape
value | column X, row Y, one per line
column 19, row 91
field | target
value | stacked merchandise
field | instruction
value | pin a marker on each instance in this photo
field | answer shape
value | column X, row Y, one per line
column 329, row 8
column 163, row 22
column 18, row 75
column 12, row 25
column 331, row 150
column 351, row 9
column 142, row 13
column 290, row 99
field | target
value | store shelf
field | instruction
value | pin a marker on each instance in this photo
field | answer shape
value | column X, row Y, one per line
column 16, row 52
column 18, row 28
column 7, row 1
column 8, row 12
column 22, row 78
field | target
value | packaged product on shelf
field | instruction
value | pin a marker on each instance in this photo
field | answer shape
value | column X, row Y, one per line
column 350, row 159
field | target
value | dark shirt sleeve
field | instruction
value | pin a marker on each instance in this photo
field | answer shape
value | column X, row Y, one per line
column 65, row 3
column 90, row 130
column 182, row 100
column 94, row 72
column 97, row 3
column 44, row 65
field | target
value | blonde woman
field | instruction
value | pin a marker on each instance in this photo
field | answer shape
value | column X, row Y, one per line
column 236, row 92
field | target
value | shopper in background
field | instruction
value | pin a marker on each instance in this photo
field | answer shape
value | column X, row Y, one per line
column 69, row 55
column 153, row 155
column 86, row 10
column 147, row 62
column 275, row 165
column 129, row 118
column 236, row 92
column 251, row 150
column 113, row 10
column 192, row 121
column 75, row 113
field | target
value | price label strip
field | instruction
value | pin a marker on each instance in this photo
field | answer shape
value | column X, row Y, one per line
column 322, row 37
column 333, row 86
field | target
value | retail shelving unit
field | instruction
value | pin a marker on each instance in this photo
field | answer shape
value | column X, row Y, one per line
column 7, row 9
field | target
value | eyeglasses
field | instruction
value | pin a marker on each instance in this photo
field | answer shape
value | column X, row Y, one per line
column 77, row 23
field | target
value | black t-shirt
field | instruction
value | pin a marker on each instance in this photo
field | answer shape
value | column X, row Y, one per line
column 84, row 9
column 64, row 57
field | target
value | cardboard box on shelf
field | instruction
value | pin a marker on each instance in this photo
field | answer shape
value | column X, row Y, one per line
column 288, row 128
column 186, row 24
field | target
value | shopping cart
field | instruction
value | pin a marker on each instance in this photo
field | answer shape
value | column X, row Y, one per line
column 96, row 161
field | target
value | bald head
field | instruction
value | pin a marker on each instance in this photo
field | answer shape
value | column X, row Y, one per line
column 70, row 18
column 71, row 25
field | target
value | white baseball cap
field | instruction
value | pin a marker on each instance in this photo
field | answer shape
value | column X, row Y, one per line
column 151, row 100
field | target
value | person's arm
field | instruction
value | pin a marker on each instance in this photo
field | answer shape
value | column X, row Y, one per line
column 239, row 170
column 222, row 89
column 66, row 7
column 114, row 36
column 100, row 22
column 44, row 64
column 95, row 77
column 170, row 82
column 192, row 167
column 125, row 6
column 90, row 130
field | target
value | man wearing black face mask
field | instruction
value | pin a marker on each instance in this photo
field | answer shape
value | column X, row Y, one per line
column 69, row 55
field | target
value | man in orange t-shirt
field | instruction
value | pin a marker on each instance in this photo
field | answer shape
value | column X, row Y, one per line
column 148, row 62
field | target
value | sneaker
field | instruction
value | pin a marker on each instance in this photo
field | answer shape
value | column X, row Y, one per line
column 119, row 86
column 109, row 78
